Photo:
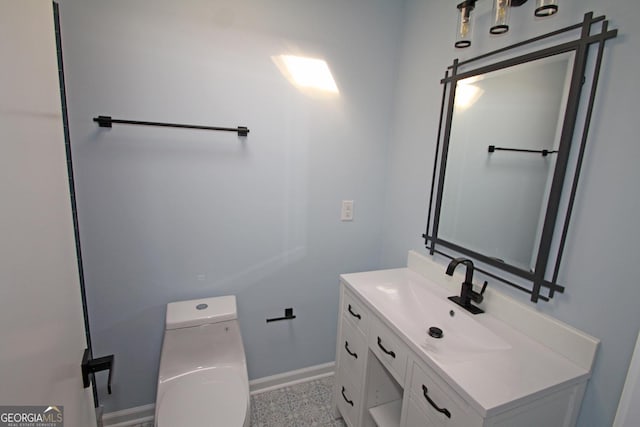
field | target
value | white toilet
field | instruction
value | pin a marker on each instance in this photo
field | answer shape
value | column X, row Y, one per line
column 203, row 371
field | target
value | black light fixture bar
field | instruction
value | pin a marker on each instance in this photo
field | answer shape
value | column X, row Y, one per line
column 107, row 122
column 500, row 17
column 493, row 148
column 588, row 16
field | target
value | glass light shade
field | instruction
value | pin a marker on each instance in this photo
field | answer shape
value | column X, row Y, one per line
column 546, row 7
column 501, row 9
column 463, row 35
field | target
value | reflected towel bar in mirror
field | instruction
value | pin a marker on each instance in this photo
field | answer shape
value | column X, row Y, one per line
column 544, row 153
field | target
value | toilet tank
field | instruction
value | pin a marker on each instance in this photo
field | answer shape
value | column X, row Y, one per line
column 185, row 314
column 201, row 334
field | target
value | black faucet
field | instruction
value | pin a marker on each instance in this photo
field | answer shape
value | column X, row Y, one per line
column 467, row 294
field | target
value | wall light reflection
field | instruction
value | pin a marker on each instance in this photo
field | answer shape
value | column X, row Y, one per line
column 467, row 93
column 307, row 73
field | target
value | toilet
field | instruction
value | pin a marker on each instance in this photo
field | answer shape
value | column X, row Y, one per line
column 202, row 379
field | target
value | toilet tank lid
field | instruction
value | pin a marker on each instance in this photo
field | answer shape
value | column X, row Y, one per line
column 184, row 314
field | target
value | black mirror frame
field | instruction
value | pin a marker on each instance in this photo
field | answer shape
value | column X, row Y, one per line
column 536, row 279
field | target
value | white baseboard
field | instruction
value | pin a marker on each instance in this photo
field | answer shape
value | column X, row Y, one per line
column 144, row 414
column 285, row 379
column 130, row 416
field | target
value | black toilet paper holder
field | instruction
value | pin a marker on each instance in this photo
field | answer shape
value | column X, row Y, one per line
column 288, row 315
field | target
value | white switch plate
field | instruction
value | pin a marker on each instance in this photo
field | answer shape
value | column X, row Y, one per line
column 347, row 210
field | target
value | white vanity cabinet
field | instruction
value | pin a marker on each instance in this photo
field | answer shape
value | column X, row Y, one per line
column 375, row 370
column 386, row 377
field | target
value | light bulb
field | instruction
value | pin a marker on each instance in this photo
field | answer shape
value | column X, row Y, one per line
column 464, row 28
column 501, row 10
column 463, row 36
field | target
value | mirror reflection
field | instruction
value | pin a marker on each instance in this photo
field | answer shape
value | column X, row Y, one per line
column 494, row 198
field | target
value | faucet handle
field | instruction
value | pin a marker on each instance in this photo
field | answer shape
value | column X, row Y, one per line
column 478, row 296
column 484, row 287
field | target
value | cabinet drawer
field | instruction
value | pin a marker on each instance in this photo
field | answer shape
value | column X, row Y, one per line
column 416, row 417
column 439, row 400
column 353, row 351
column 347, row 399
column 356, row 313
column 389, row 349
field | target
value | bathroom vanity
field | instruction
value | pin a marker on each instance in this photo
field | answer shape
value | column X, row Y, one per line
column 510, row 366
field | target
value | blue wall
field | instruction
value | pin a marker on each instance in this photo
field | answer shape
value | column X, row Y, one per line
column 601, row 257
column 169, row 214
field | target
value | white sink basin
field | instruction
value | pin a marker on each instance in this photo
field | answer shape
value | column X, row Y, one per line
column 414, row 309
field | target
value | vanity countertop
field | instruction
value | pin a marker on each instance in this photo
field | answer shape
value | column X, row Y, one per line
column 492, row 365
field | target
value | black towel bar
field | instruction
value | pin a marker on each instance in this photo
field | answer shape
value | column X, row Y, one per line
column 107, row 122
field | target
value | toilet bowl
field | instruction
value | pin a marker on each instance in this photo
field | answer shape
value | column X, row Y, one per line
column 202, row 379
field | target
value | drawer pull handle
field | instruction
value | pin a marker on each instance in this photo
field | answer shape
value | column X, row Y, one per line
column 352, row 354
column 350, row 402
column 356, row 315
column 389, row 352
column 443, row 411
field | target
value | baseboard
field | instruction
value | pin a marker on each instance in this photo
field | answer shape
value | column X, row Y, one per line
column 145, row 414
column 130, row 416
column 285, row 379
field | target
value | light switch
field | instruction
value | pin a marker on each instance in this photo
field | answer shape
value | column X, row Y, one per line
column 347, row 210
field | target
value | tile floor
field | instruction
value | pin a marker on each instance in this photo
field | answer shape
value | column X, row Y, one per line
column 301, row 405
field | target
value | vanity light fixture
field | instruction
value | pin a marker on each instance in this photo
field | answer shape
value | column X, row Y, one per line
column 463, row 37
column 546, row 8
column 500, row 17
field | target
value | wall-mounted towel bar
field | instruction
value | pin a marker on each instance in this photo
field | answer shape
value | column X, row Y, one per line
column 544, row 153
column 107, row 121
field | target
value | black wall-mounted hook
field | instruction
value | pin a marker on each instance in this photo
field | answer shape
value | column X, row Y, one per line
column 288, row 315
column 91, row 366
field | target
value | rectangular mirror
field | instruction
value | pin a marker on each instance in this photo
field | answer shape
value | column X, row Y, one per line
column 499, row 194
column 494, row 202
